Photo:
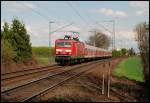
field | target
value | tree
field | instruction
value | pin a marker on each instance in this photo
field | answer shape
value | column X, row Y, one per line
column 124, row 51
column 17, row 36
column 5, row 33
column 116, row 53
column 99, row 39
column 142, row 37
column 7, row 52
column 21, row 40
column 131, row 52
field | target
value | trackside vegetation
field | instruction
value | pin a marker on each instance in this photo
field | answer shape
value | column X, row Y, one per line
column 130, row 68
column 44, row 55
column 123, row 52
column 16, row 43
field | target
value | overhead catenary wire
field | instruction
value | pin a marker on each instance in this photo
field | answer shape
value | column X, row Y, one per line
column 44, row 16
column 96, row 22
column 70, row 5
column 58, row 17
column 104, row 27
column 62, row 27
column 88, row 16
column 78, row 5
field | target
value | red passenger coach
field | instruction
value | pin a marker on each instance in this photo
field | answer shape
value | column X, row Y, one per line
column 70, row 51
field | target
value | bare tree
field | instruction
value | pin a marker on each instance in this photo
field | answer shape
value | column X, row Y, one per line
column 142, row 36
column 99, row 39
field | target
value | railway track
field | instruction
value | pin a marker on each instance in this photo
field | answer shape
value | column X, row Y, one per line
column 122, row 97
column 23, row 72
column 16, row 79
column 31, row 90
column 113, row 91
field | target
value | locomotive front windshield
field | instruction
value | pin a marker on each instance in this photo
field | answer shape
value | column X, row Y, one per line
column 63, row 44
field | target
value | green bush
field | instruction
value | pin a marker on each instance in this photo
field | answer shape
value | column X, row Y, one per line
column 116, row 53
column 7, row 52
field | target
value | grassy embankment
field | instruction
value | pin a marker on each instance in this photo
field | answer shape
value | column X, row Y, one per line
column 42, row 55
column 130, row 68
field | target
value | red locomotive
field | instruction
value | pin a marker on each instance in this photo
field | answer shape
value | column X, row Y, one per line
column 70, row 51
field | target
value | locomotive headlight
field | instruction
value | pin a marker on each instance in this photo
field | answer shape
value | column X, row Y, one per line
column 57, row 52
column 67, row 50
column 58, row 49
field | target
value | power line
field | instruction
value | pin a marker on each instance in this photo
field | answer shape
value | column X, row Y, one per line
column 104, row 27
column 77, row 3
column 113, row 36
column 77, row 12
column 57, row 16
column 46, row 17
column 61, row 28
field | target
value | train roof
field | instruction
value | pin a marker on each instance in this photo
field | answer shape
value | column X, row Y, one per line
column 66, row 40
column 94, row 48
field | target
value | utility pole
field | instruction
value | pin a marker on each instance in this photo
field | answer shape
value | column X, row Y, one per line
column 114, row 32
column 94, row 42
column 50, row 58
column 107, row 30
column 95, row 38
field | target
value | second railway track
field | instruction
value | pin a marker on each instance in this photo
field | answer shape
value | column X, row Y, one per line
column 24, row 72
column 16, row 79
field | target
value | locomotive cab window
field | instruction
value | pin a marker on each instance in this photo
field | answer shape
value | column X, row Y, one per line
column 64, row 44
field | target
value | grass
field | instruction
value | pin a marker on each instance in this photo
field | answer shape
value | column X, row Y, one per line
column 42, row 55
column 130, row 68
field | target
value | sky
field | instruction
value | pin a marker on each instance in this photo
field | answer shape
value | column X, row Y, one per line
column 80, row 16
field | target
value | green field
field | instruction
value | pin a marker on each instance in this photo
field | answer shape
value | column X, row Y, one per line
column 130, row 68
column 42, row 55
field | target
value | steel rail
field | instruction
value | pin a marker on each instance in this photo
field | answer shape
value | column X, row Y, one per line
column 56, row 85
column 28, row 69
column 44, row 77
column 41, row 70
column 121, row 96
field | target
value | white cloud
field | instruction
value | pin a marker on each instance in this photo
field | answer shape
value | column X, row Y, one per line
column 37, row 30
column 128, row 35
column 107, row 11
column 141, row 6
column 38, row 34
column 121, row 14
column 72, row 28
column 19, row 6
column 125, row 39
column 110, row 12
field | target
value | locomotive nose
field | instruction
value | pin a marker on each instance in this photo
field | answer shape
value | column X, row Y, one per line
column 63, row 51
